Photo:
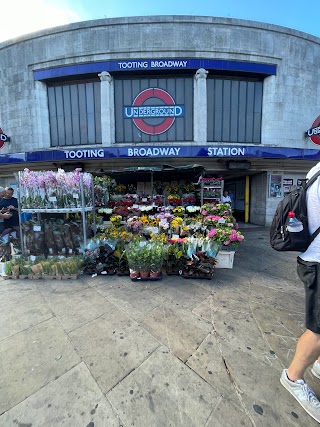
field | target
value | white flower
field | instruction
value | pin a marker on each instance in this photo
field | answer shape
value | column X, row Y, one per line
column 192, row 209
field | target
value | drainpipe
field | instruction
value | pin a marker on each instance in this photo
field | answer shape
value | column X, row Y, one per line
column 246, row 200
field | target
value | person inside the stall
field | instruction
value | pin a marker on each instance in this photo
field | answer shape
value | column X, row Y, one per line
column 9, row 212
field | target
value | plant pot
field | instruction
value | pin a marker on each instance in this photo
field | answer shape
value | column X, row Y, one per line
column 134, row 274
column 155, row 274
column 23, row 276
column 144, row 274
column 6, row 277
column 49, row 276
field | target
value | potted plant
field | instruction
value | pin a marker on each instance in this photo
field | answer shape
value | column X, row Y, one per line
column 24, row 268
column 173, row 254
column 144, row 261
column 8, row 270
column 133, row 256
column 156, row 259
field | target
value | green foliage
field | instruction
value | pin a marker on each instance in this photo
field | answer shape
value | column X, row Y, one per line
column 8, row 268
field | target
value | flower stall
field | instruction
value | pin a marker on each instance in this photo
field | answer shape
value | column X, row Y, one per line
column 191, row 241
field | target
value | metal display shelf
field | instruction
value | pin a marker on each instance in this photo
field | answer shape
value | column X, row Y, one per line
column 205, row 186
column 83, row 210
column 62, row 210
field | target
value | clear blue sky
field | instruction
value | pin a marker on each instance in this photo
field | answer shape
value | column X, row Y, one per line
column 24, row 16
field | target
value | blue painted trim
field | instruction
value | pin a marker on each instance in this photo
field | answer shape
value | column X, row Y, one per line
column 155, row 64
column 81, row 154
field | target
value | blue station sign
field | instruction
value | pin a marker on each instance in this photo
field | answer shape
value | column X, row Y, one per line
column 139, row 152
column 156, row 64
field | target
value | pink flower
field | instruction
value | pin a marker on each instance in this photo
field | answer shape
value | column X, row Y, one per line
column 212, row 232
column 204, row 212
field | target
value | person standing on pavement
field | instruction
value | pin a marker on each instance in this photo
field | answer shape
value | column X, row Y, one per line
column 308, row 347
column 9, row 212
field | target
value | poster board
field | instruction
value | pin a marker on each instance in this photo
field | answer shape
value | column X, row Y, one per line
column 275, row 186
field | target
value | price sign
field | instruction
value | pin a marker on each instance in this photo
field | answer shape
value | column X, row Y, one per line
column 37, row 228
column 76, row 196
column 52, row 199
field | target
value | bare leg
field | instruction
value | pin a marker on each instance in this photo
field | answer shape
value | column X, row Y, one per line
column 307, row 351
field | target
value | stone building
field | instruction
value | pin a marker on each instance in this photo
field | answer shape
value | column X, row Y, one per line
column 238, row 97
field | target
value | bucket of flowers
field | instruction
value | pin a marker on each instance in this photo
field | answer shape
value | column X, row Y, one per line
column 134, row 224
column 174, row 199
column 173, row 256
column 159, row 187
column 192, row 210
column 179, row 211
column 209, row 209
column 211, row 180
column 188, row 189
column 116, row 220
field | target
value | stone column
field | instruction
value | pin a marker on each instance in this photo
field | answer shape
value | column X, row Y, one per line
column 200, row 107
column 107, row 109
column 40, row 117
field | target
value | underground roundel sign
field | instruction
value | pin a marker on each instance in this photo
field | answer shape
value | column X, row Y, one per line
column 3, row 138
column 314, row 132
column 153, row 111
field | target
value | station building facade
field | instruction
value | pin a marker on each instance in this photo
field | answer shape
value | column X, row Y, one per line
column 239, row 97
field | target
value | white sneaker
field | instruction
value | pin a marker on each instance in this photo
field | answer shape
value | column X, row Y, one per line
column 303, row 394
column 316, row 369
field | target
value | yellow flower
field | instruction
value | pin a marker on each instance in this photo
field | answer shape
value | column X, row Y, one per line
column 158, row 237
column 144, row 219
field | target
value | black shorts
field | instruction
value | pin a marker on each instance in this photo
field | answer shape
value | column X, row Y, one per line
column 309, row 273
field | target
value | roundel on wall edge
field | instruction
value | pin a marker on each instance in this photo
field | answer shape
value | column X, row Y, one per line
column 314, row 132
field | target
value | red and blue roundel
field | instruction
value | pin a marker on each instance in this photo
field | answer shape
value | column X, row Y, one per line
column 153, row 111
column 314, row 132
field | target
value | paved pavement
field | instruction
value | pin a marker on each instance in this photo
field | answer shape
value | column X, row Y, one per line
column 105, row 351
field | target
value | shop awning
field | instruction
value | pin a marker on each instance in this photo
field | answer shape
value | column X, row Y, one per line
column 163, row 172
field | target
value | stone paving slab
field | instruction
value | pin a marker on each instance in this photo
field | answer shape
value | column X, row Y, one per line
column 31, row 359
column 20, row 307
column 177, row 328
column 72, row 400
column 61, row 286
column 163, row 392
column 182, row 291
column 208, row 363
column 133, row 298
column 78, row 309
column 112, row 346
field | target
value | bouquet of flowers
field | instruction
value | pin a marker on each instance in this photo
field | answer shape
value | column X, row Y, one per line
column 189, row 188
column 159, row 187
column 192, row 209
column 119, row 189
column 209, row 209
column 116, row 220
column 179, row 211
column 134, row 224
column 172, row 189
column 174, row 199
column 212, row 180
